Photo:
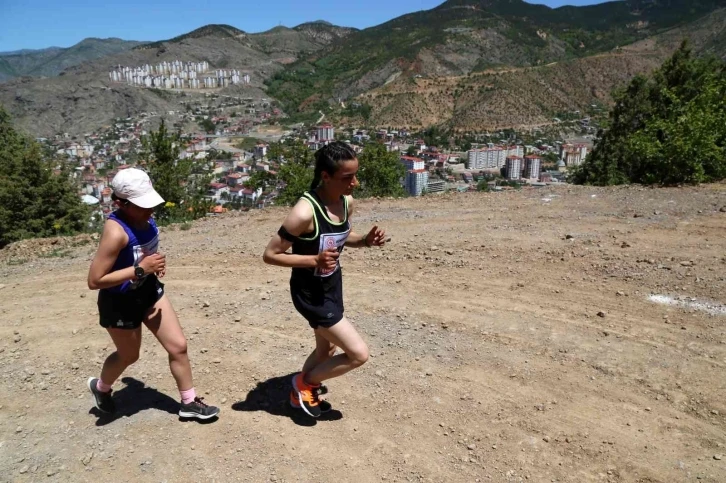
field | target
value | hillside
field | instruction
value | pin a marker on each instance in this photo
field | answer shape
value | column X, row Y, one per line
column 470, row 65
column 84, row 99
column 54, row 60
column 463, row 36
column 525, row 336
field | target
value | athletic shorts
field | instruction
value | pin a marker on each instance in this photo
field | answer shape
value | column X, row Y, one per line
column 127, row 310
column 320, row 304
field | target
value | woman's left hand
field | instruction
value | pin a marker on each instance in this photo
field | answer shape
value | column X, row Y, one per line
column 375, row 237
column 161, row 274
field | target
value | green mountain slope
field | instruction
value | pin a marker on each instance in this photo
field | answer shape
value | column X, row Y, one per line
column 52, row 61
column 463, row 36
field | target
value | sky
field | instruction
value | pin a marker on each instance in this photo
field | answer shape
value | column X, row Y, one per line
column 37, row 24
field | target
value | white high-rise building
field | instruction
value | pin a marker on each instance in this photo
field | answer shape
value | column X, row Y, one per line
column 326, row 132
column 513, row 167
column 532, row 167
column 416, row 181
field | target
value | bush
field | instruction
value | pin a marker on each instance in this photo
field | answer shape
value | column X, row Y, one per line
column 667, row 129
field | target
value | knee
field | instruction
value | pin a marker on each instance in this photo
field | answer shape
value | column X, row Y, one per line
column 178, row 348
column 359, row 355
column 129, row 357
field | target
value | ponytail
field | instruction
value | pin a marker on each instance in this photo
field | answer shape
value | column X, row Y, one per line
column 328, row 158
column 316, row 178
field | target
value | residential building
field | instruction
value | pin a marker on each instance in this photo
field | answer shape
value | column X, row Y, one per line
column 532, row 166
column 412, row 163
column 513, row 167
column 326, row 133
column 435, row 186
column 416, row 181
column 260, row 150
column 573, row 155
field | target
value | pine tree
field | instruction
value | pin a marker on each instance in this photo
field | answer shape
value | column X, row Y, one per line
column 34, row 201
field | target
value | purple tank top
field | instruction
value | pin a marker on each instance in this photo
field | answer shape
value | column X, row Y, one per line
column 142, row 242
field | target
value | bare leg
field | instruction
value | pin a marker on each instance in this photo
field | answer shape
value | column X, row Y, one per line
column 164, row 324
column 343, row 335
column 324, row 350
column 128, row 343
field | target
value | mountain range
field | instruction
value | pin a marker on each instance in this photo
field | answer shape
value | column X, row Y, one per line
column 466, row 64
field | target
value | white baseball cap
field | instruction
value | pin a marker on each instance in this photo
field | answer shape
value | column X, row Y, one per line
column 134, row 185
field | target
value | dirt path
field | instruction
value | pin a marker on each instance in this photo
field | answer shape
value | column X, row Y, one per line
column 490, row 361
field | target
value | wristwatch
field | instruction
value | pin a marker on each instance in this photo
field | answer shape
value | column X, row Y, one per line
column 139, row 271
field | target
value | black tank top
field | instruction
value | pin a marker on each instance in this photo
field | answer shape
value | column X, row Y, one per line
column 326, row 234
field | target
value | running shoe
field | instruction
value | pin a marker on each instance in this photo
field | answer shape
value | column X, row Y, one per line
column 104, row 401
column 307, row 396
column 198, row 409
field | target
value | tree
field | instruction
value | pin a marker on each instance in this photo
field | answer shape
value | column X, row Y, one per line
column 380, row 172
column 181, row 182
column 666, row 129
column 207, row 125
column 37, row 195
column 412, row 150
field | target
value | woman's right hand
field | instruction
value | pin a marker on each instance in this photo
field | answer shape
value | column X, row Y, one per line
column 153, row 263
column 327, row 259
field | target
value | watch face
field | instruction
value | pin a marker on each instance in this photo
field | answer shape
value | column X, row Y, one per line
column 139, row 272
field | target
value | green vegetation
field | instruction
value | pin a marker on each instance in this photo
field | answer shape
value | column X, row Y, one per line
column 181, row 182
column 37, row 196
column 207, row 125
column 666, row 129
column 248, row 144
column 379, row 172
column 535, row 34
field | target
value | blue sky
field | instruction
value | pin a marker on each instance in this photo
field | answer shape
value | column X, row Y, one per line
column 35, row 24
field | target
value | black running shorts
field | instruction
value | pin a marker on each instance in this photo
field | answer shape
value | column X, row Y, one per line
column 127, row 310
column 320, row 303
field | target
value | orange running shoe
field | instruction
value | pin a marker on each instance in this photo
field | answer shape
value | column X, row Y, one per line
column 325, row 406
column 306, row 395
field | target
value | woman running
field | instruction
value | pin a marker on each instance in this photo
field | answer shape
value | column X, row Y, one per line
column 125, row 271
column 317, row 229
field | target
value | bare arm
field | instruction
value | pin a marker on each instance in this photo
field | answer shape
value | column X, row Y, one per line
column 298, row 221
column 113, row 240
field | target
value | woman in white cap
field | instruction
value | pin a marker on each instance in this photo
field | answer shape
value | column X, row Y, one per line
column 126, row 271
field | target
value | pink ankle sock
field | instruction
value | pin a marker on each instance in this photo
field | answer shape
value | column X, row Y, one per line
column 102, row 386
column 188, row 396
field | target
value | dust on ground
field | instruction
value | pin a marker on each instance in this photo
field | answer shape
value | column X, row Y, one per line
column 514, row 337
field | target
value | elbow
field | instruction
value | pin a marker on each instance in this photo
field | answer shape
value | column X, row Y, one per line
column 92, row 284
column 267, row 257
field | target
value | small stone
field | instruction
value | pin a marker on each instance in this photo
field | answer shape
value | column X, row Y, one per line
column 51, row 472
column 83, row 296
column 2, row 286
column 569, row 237
column 718, row 457
column 471, row 447
column 204, row 350
column 19, row 429
column 74, row 366
column 17, row 338
column 217, row 361
column 205, row 304
column 24, row 469
column 449, row 252
column 620, row 293
column 546, row 439
column 648, row 409
column 249, row 465
column 625, row 245
column 723, row 209
column 714, row 412
column 224, row 400
column 434, row 248
column 237, row 319
column 601, row 314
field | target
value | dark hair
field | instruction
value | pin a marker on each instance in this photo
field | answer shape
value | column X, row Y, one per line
column 328, row 158
column 122, row 200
